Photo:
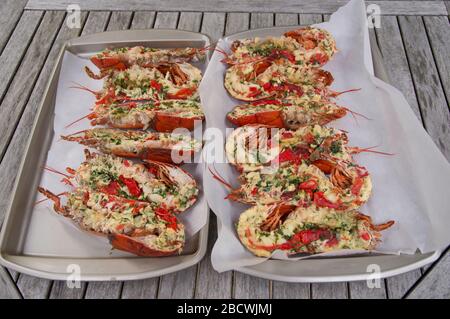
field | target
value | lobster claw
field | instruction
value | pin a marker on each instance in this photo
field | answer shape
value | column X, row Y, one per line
column 137, row 246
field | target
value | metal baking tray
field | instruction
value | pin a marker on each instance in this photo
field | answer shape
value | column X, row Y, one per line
column 334, row 269
column 17, row 222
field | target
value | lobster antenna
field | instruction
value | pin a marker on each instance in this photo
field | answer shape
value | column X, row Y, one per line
column 45, row 199
column 82, row 87
column 356, row 113
column 370, row 150
column 219, row 178
column 50, row 169
column 76, row 121
column 346, row 91
column 67, row 137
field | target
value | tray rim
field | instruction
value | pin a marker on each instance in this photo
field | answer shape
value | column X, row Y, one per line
column 11, row 261
column 421, row 259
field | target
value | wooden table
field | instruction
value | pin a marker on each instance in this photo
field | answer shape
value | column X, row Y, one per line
column 415, row 42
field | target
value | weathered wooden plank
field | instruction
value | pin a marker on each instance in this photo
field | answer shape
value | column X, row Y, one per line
column 307, row 19
column 179, row 285
column 435, row 283
column 395, row 61
column 286, row 19
column 33, row 288
column 433, row 106
column 11, row 12
column 329, row 290
column 103, row 290
column 61, row 291
column 143, row 20
column 120, row 20
column 261, row 20
column 213, row 25
column 8, row 289
column 288, row 6
column 190, row 21
column 16, row 47
column 360, row 290
column 16, row 97
column 284, row 290
column 166, row 20
column 211, row 284
column 438, row 30
column 140, row 289
column 237, row 22
column 249, row 287
column 397, row 286
column 96, row 22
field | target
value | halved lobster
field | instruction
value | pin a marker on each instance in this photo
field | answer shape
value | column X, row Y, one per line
column 122, row 58
column 162, row 116
column 162, row 185
column 131, row 225
column 291, row 113
column 162, row 147
column 266, row 78
column 310, row 230
column 306, row 46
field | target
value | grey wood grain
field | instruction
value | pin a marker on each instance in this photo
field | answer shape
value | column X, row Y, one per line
column 15, row 99
column 307, row 19
column 11, row 11
column 287, row 6
column 286, row 19
column 179, row 285
column 438, row 30
column 143, row 20
column 237, row 22
column 214, row 25
column 120, row 20
column 8, row 289
column 433, row 106
column 96, row 22
column 398, row 286
column 166, row 20
column 16, row 47
column 190, row 21
column 33, row 288
column 103, row 290
column 261, row 20
column 360, row 290
column 140, row 289
column 249, row 287
column 284, row 290
column 61, row 291
column 211, row 284
column 329, row 290
column 435, row 283
column 395, row 61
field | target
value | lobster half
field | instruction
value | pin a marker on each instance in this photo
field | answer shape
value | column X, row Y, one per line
column 251, row 147
column 161, row 147
column 158, row 184
column 345, row 186
column 130, row 225
column 309, row 230
column 122, row 58
column 162, row 116
column 269, row 79
column 305, row 46
column 292, row 114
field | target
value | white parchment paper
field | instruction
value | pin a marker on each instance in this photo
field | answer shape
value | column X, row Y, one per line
column 72, row 104
column 411, row 187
